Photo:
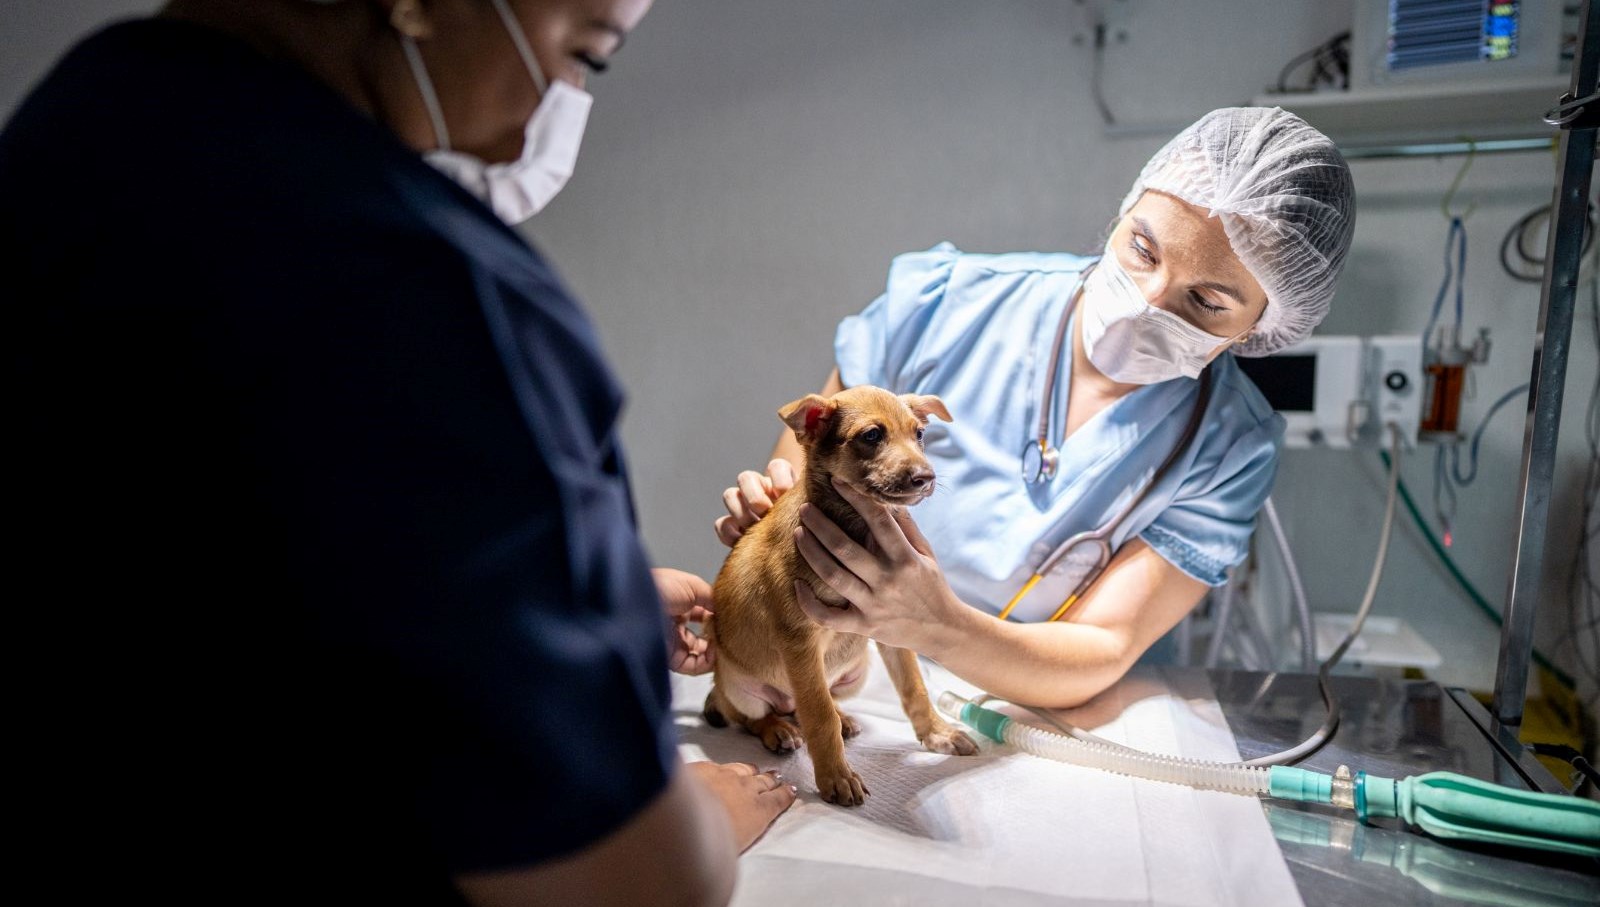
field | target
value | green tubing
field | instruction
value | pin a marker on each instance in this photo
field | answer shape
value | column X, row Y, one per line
column 1448, row 805
column 1466, row 584
column 1290, row 783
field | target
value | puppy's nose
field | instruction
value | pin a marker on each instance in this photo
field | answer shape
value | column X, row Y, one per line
column 920, row 479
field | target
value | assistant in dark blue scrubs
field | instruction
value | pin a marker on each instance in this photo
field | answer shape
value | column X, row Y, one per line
column 324, row 569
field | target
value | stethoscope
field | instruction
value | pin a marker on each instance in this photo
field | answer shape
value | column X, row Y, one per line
column 1040, row 459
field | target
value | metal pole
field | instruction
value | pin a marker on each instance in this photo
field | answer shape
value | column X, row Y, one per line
column 1551, row 344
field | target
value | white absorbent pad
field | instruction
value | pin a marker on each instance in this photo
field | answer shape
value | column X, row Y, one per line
column 1002, row 828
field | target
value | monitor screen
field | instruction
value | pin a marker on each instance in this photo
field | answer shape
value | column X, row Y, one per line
column 1288, row 382
column 1433, row 32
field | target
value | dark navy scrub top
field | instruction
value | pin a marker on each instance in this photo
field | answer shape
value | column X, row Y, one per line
column 328, row 579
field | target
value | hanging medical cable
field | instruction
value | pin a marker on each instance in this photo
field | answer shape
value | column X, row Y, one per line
column 1462, row 480
column 1332, row 69
column 1308, row 645
column 1520, row 256
column 1455, row 242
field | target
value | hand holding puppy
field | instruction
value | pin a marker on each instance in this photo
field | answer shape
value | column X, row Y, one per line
column 686, row 599
column 895, row 591
column 753, row 498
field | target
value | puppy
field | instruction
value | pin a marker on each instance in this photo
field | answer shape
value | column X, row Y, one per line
column 773, row 663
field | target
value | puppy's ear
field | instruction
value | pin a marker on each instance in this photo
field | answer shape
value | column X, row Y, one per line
column 922, row 406
column 809, row 417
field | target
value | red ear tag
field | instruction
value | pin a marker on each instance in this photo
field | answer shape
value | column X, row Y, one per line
column 813, row 416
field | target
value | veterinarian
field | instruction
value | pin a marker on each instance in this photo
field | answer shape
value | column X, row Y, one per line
column 337, row 593
column 1072, row 381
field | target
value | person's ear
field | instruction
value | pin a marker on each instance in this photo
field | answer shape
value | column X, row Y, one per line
column 410, row 18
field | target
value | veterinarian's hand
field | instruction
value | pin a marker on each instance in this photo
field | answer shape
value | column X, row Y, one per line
column 686, row 598
column 752, row 498
column 897, row 592
column 753, row 798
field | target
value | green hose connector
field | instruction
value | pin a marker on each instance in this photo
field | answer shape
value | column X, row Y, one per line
column 1290, row 783
column 1448, row 805
column 987, row 722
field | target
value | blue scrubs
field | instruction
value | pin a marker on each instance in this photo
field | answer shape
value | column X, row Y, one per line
column 976, row 330
column 335, row 585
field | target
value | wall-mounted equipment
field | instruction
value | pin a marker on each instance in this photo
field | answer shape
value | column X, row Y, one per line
column 1339, row 391
column 1425, row 72
column 1410, row 42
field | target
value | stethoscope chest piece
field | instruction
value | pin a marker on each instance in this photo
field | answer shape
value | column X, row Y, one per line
column 1039, row 462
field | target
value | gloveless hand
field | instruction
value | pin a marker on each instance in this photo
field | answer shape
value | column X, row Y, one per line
column 686, row 598
column 897, row 593
column 751, row 499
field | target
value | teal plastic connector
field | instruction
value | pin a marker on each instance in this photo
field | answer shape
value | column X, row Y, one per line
column 987, row 722
column 1290, row 783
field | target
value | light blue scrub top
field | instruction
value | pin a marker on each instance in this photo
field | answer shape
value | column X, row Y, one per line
column 976, row 330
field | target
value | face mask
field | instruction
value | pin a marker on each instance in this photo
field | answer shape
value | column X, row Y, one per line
column 1133, row 342
column 519, row 189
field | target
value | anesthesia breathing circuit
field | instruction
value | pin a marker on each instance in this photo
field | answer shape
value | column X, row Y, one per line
column 1443, row 804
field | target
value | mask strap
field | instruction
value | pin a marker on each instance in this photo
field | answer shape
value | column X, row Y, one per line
column 430, row 98
column 521, row 41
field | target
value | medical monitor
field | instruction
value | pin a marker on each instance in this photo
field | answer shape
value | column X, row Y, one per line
column 1421, row 41
column 1340, row 391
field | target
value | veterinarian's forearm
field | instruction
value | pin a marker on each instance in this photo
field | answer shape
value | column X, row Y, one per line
column 1057, row 665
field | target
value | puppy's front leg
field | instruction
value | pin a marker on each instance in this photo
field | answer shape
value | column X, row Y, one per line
column 934, row 732
column 819, row 723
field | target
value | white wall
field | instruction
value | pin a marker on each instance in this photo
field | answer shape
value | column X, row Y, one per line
column 33, row 33
column 752, row 166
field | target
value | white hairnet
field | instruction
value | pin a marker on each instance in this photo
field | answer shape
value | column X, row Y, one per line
column 1286, row 200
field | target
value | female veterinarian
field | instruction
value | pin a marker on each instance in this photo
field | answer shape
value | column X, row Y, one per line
column 1106, row 457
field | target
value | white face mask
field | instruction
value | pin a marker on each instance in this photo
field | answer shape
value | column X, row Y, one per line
column 1133, row 342
column 519, row 189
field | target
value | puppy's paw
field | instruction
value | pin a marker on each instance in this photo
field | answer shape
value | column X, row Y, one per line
column 713, row 715
column 848, row 727
column 841, row 785
column 946, row 739
column 780, row 735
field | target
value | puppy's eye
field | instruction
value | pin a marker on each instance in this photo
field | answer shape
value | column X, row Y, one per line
column 872, row 435
column 919, row 436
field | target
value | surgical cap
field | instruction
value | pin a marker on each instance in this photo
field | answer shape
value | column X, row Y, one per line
column 1286, row 201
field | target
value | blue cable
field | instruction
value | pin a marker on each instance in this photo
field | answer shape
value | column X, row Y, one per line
column 1477, row 437
column 1455, row 240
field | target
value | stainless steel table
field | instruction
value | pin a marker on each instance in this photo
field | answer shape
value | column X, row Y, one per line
column 1394, row 728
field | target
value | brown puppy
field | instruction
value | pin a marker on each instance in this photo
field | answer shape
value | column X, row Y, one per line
column 773, row 663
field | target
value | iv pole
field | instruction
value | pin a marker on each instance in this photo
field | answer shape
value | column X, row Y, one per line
column 1578, row 116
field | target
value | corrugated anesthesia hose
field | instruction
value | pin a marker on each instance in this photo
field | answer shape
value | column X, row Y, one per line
column 1443, row 804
